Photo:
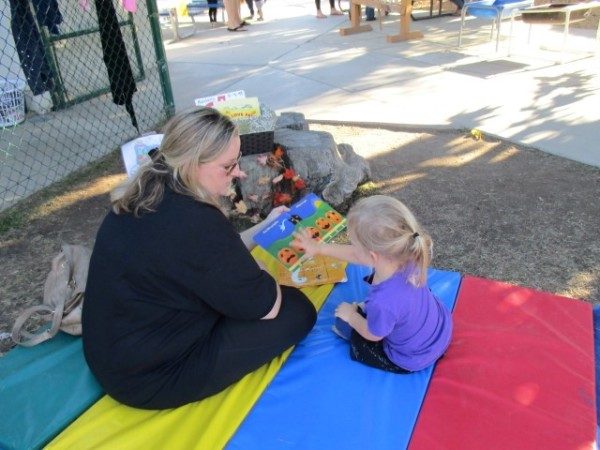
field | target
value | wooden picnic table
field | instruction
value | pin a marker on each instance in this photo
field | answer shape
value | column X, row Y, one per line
column 404, row 7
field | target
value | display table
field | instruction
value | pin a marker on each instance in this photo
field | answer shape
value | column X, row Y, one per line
column 404, row 7
column 560, row 14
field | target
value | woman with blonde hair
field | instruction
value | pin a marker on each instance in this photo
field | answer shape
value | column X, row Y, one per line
column 176, row 309
column 401, row 327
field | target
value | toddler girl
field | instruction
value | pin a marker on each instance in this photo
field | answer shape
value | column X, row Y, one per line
column 401, row 327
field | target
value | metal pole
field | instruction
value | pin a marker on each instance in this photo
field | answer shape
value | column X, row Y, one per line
column 161, row 58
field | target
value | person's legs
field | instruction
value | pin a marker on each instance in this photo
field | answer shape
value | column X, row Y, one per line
column 259, row 6
column 212, row 14
column 245, row 345
column 320, row 14
column 459, row 5
column 233, row 14
column 371, row 354
column 334, row 12
column 250, row 5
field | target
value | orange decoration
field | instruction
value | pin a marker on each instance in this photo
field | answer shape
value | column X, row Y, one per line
column 288, row 174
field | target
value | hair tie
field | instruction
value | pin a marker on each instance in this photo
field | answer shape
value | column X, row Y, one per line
column 415, row 235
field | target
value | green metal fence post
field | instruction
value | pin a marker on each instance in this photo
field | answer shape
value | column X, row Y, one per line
column 161, row 58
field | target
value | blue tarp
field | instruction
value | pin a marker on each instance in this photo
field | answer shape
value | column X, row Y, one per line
column 596, row 354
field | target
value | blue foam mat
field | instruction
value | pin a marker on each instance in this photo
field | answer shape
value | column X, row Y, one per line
column 596, row 355
column 322, row 399
column 42, row 390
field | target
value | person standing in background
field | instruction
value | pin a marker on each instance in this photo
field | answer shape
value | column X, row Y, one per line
column 459, row 5
column 334, row 11
column 250, row 8
column 212, row 11
column 234, row 21
column 259, row 6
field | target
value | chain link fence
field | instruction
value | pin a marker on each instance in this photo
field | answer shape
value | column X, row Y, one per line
column 77, row 79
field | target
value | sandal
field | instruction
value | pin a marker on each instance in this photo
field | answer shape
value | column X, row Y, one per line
column 238, row 28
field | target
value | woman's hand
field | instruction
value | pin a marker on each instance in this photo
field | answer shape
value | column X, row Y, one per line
column 305, row 243
column 248, row 234
column 345, row 311
column 276, row 212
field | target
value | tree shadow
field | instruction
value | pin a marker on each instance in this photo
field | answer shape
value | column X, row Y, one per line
column 500, row 211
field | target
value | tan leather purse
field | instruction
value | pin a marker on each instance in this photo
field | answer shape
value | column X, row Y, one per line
column 63, row 297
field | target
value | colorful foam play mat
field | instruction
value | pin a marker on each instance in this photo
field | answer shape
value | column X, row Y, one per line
column 519, row 374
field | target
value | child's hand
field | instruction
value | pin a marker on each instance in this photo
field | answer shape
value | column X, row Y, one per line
column 345, row 311
column 305, row 243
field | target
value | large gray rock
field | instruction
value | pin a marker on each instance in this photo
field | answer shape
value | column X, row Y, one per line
column 292, row 120
column 352, row 171
column 257, row 187
column 330, row 170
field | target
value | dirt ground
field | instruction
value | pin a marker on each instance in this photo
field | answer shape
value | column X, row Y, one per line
column 494, row 210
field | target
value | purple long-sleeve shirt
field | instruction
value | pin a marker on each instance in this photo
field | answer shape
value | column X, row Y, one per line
column 415, row 325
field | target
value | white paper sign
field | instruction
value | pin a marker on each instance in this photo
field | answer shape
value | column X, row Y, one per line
column 135, row 153
column 213, row 99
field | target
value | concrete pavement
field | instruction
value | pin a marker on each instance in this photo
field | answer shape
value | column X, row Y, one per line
column 538, row 96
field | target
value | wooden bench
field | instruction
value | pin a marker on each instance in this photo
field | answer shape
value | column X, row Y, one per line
column 404, row 7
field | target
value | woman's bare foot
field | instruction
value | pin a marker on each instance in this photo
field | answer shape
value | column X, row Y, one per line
column 335, row 12
column 320, row 15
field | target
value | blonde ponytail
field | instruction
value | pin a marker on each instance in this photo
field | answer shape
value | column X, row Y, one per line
column 384, row 225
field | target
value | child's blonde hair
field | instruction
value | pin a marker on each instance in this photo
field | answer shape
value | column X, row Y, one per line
column 384, row 225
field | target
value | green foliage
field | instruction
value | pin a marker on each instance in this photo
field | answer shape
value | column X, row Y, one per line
column 13, row 218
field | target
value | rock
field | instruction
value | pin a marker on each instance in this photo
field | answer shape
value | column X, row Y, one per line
column 291, row 120
column 256, row 188
column 316, row 158
column 344, row 182
column 330, row 170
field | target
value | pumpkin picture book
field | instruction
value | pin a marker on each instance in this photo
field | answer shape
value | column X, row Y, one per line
column 313, row 272
column 312, row 213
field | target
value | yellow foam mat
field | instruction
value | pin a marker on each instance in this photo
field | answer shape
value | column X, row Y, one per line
column 207, row 424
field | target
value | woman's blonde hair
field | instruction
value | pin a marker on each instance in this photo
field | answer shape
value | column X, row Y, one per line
column 191, row 138
column 384, row 225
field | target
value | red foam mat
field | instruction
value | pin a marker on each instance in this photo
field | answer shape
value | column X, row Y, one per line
column 519, row 374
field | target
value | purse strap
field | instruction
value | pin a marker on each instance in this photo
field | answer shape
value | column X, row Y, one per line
column 63, row 292
column 27, row 339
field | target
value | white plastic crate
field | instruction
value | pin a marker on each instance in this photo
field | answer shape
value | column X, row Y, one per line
column 12, row 102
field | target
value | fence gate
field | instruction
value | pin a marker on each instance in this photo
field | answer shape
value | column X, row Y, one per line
column 77, row 79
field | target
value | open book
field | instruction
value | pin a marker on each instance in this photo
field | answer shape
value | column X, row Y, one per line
column 313, row 272
column 311, row 213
